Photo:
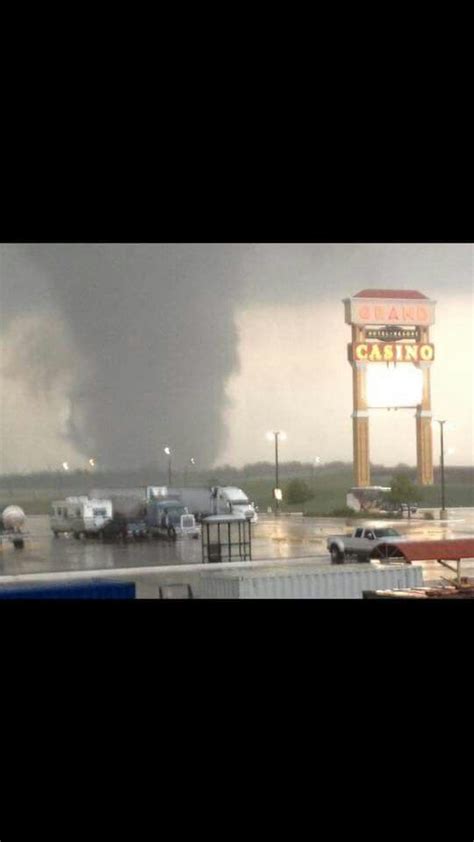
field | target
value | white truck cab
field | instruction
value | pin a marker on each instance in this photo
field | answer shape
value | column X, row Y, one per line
column 239, row 502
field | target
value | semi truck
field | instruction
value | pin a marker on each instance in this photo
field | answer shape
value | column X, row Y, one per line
column 170, row 519
column 202, row 502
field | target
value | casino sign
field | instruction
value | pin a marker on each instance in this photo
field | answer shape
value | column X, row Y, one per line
column 390, row 326
column 391, row 333
column 392, row 352
column 372, row 310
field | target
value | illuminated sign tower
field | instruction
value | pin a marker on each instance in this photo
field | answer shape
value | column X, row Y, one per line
column 390, row 327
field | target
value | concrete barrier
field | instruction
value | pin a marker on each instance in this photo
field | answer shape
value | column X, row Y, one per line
column 296, row 578
column 329, row 583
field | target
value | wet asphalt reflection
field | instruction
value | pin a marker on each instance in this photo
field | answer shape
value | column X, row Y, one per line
column 283, row 537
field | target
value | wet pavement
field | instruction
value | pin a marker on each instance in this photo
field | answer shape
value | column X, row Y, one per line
column 285, row 537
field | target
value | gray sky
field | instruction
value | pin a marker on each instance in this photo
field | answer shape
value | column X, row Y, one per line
column 118, row 350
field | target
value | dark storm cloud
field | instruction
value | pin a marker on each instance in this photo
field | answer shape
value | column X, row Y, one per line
column 155, row 325
column 150, row 329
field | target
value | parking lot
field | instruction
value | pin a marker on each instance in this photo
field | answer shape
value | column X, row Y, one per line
column 278, row 538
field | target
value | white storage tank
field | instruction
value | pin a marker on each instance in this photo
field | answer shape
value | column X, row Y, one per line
column 13, row 517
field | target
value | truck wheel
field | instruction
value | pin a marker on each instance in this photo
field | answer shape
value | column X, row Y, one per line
column 77, row 536
column 18, row 543
column 56, row 534
column 171, row 533
column 386, row 552
column 336, row 556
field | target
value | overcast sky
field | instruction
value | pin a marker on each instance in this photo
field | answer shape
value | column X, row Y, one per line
column 115, row 351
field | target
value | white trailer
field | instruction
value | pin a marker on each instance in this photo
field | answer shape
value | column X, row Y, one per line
column 81, row 516
column 128, row 502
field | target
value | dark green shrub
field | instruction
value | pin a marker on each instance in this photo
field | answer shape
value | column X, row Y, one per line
column 298, row 491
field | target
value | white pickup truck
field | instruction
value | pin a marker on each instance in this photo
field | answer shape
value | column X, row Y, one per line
column 363, row 544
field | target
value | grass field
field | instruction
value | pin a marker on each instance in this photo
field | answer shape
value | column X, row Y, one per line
column 329, row 487
column 330, row 494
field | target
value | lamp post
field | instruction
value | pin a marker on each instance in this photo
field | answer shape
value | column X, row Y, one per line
column 277, row 435
column 443, row 513
column 65, row 467
column 167, row 450
column 316, row 462
column 191, row 462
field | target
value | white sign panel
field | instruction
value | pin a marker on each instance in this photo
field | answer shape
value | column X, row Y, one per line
column 393, row 386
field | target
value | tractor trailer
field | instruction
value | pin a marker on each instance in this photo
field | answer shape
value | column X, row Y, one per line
column 201, row 502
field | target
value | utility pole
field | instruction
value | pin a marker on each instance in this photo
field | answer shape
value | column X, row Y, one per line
column 277, row 502
column 277, row 494
column 167, row 450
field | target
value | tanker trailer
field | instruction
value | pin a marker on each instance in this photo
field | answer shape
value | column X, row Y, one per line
column 12, row 522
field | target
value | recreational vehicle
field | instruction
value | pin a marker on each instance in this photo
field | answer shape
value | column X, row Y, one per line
column 83, row 516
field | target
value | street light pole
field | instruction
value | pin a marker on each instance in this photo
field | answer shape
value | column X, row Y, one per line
column 443, row 513
column 443, row 496
column 191, row 462
column 168, row 453
column 317, row 461
column 277, row 502
column 277, row 495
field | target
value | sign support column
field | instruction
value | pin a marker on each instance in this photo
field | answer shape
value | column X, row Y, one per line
column 360, row 418
column 424, row 432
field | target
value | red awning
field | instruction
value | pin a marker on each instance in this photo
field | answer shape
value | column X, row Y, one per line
column 450, row 550
column 389, row 293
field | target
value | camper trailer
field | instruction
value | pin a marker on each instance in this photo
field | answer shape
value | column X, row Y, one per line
column 81, row 516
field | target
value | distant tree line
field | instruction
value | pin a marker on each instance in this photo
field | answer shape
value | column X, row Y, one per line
column 84, row 480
